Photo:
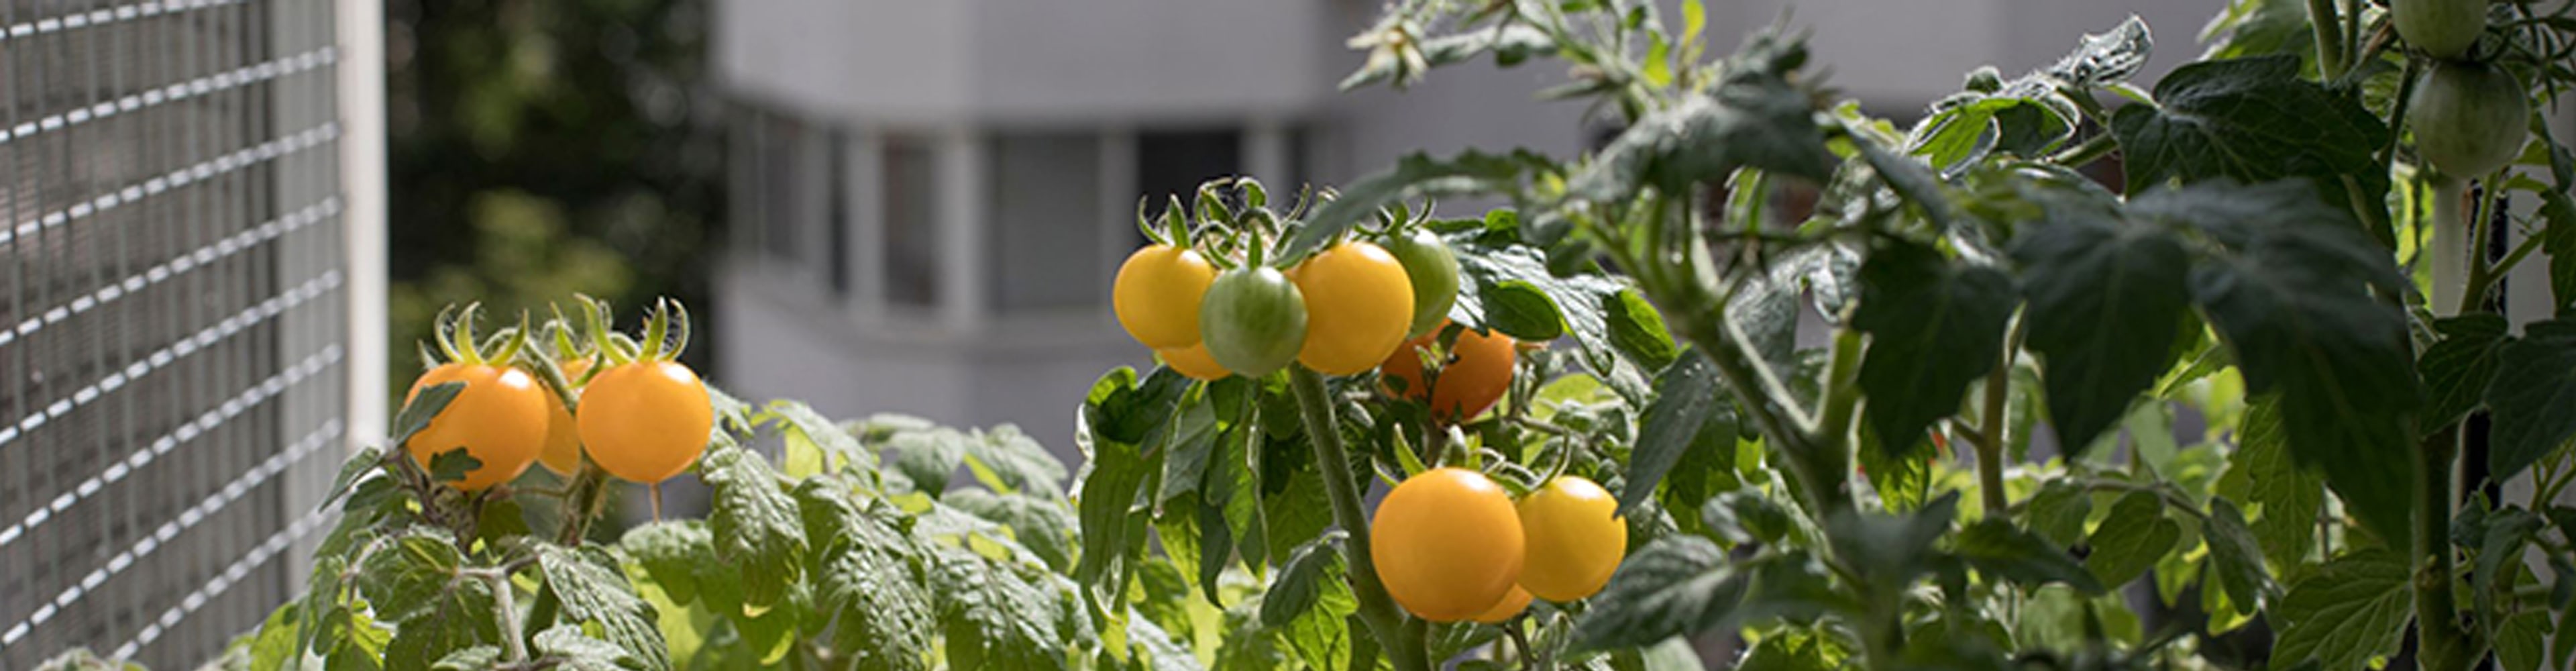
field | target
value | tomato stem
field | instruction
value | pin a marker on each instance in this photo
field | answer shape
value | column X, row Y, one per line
column 1378, row 610
column 1990, row 439
column 2441, row 643
column 2329, row 33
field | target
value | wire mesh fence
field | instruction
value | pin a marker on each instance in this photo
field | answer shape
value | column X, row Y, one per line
column 172, row 318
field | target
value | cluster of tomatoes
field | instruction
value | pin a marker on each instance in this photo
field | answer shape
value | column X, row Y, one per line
column 1352, row 307
column 636, row 413
column 1451, row 545
column 2470, row 116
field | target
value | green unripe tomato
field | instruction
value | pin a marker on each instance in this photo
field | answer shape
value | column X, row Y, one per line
column 2469, row 119
column 1253, row 321
column 2443, row 28
column 1433, row 270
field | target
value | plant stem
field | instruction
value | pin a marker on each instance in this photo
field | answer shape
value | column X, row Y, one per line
column 2482, row 276
column 2084, row 153
column 1990, row 438
column 2321, row 15
column 505, row 609
column 1376, row 608
column 2441, row 644
column 2450, row 249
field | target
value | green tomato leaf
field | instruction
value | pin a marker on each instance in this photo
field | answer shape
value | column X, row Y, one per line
column 1323, row 634
column 2291, row 294
column 2131, row 539
column 1519, row 309
column 1005, row 460
column 2056, row 513
column 423, row 407
column 803, row 426
column 594, row 590
column 2520, row 644
column 2346, row 612
column 1113, row 528
column 2458, row 369
column 2535, row 384
column 2558, row 241
column 2106, row 298
column 1755, row 118
column 1902, row 476
column 1993, row 546
column 1678, row 585
column 2253, row 120
column 993, row 617
column 867, row 582
column 452, row 465
column 1687, row 397
column 671, row 552
column 1414, row 176
column 1044, row 527
column 1637, row 331
column 1293, row 589
column 2234, row 556
column 2291, row 497
column 1190, row 442
column 573, row 650
column 928, row 458
column 1934, row 327
column 754, row 525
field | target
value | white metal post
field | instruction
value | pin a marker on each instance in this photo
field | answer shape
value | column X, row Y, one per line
column 362, row 179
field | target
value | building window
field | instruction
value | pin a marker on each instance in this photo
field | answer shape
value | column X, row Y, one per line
column 1045, row 227
column 911, row 253
column 836, row 221
column 782, row 210
column 1174, row 163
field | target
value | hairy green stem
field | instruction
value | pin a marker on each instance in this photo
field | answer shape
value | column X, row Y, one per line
column 2086, row 152
column 2482, row 275
column 2441, row 644
column 2321, row 15
column 505, row 610
column 1378, row 610
column 1990, row 438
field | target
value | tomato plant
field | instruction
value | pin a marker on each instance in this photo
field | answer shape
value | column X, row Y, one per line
column 1468, row 376
column 499, row 417
column 1824, row 392
column 1157, row 294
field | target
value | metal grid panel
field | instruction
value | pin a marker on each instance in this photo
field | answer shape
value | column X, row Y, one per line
column 172, row 321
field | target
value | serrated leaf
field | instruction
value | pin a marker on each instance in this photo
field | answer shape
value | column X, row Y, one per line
column 754, row 525
column 1902, row 476
column 592, row 589
column 2458, row 369
column 2506, row 531
column 1006, row 460
column 1293, row 588
column 1414, row 176
column 2520, row 644
column 1113, row 531
column 423, row 407
column 2291, row 497
column 1637, row 331
column 2534, row 387
column 1687, row 397
column 1996, row 548
column 866, row 581
column 2234, row 556
column 2348, row 611
column 477, row 658
column 802, row 425
column 2131, row 539
column 2105, row 298
column 452, row 465
column 2291, row 295
column 1324, row 635
column 993, row 617
column 1191, row 441
column 1934, row 327
column 1044, row 527
column 1677, row 585
column 928, row 458
column 670, row 552
column 2252, row 120
column 1755, row 119
column 2057, row 512
column 360, row 464
column 573, row 650
column 403, row 580
column 2107, row 58
column 1518, row 309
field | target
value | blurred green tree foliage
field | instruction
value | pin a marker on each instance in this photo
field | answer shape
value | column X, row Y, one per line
column 544, row 147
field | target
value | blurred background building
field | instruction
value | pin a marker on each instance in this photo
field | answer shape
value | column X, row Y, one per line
column 930, row 199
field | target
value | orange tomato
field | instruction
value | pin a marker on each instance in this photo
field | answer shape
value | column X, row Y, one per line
column 1478, row 372
column 1194, row 361
column 1512, row 604
column 499, row 418
column 645, row 421
column 1359, row 306
column 1575, row 536
column 1447, row 544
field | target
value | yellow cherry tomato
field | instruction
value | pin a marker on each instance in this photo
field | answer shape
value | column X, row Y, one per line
column 1157, row 295
column 1194, row 361
column 645, row 421
column 563, row 440
column 1478, row 372
column 1575, row 536
column 499, row 418
column 1512, row 604
column 1359, row 306
column 1446, row 543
